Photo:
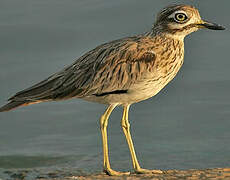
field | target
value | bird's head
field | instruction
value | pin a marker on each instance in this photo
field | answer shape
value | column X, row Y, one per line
column 181, row 20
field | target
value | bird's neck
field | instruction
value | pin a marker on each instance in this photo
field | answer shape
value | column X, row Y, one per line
column 158, row 31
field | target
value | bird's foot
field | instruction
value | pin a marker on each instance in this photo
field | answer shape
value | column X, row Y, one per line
column 111, row 172
column 147, row 171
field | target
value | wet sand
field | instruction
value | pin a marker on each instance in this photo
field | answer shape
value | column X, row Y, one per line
column 192, row 174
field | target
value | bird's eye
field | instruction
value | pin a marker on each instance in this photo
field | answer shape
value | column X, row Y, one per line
column 180, row 17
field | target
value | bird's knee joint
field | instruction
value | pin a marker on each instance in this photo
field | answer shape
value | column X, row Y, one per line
column 104, row 126
column 125, row 125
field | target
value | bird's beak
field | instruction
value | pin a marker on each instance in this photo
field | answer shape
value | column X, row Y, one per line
column 209, row 25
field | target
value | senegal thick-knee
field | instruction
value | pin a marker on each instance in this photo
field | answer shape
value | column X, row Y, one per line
column 122, row 72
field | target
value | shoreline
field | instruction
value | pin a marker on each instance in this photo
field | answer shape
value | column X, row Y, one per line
column 190, row 174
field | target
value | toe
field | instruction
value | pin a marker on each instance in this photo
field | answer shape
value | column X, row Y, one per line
column 147, row 171
column 111, row 172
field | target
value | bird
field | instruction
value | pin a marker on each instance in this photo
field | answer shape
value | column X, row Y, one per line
column 122, row 72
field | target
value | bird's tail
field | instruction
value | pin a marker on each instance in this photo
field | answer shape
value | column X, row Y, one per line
column 50, row 89
column 14, row 104
column 43, row 91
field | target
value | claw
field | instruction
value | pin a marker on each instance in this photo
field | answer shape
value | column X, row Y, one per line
column 111, row 172
column 147, row 171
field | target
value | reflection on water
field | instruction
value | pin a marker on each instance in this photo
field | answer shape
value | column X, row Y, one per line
column 31, row 161
column 184, row 126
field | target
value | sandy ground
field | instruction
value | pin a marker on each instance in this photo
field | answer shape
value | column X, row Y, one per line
column 168, row 175
column 192, row 174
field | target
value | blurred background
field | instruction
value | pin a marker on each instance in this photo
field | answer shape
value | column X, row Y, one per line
column 185, row 126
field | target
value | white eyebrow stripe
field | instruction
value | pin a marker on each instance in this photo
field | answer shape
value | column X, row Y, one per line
column 180, row 11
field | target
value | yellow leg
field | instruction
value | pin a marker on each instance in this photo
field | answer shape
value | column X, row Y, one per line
column 126, row 129
column 103, row 124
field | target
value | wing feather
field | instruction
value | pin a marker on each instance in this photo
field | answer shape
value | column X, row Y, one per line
column 111, row 67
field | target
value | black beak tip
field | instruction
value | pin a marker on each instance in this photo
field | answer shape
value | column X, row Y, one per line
column 213, row 26
column 218, row 27
column 222, row 28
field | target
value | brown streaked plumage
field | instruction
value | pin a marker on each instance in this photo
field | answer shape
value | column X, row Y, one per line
column 122, row 72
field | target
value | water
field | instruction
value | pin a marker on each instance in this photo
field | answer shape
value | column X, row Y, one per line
column 185, row 126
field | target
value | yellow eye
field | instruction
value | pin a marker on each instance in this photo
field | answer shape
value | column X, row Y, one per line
column 180, row 17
